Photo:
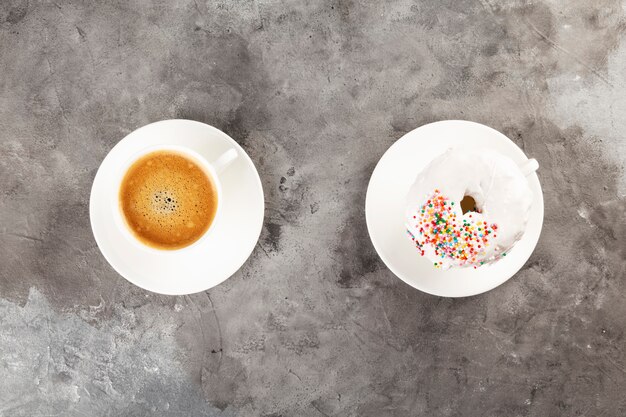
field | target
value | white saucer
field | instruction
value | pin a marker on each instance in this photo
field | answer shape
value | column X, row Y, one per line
column 211, row 261
column 385, row 205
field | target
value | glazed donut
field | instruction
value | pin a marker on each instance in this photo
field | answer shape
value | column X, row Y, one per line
column 468, row 208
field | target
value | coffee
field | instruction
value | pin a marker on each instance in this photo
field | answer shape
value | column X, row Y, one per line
column 167, row 200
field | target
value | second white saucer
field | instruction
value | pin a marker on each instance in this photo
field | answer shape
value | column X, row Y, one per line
column 385, row 206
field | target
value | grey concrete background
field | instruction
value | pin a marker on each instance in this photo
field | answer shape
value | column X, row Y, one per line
column 313, row 324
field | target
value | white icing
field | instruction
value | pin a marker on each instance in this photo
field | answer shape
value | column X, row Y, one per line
column 501, row 192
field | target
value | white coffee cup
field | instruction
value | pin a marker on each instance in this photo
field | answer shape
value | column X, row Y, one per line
column 212, row 169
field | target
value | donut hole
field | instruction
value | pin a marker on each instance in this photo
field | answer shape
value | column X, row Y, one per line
column 469, row 204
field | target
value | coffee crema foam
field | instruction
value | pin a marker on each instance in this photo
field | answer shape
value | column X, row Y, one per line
column 167, row 200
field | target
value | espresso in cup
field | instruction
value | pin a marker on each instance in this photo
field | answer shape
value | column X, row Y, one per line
column 168, row 201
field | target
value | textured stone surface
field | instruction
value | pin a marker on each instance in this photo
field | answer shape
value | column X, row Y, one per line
column 313, row 324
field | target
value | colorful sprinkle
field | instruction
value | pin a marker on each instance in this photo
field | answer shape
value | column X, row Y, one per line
column 450, row 235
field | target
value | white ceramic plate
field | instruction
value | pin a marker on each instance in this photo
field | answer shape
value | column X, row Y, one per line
column 385, row 205
column 212, row 260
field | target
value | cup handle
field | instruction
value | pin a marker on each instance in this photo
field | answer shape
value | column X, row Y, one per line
column 225, row 159
column 529, row 167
